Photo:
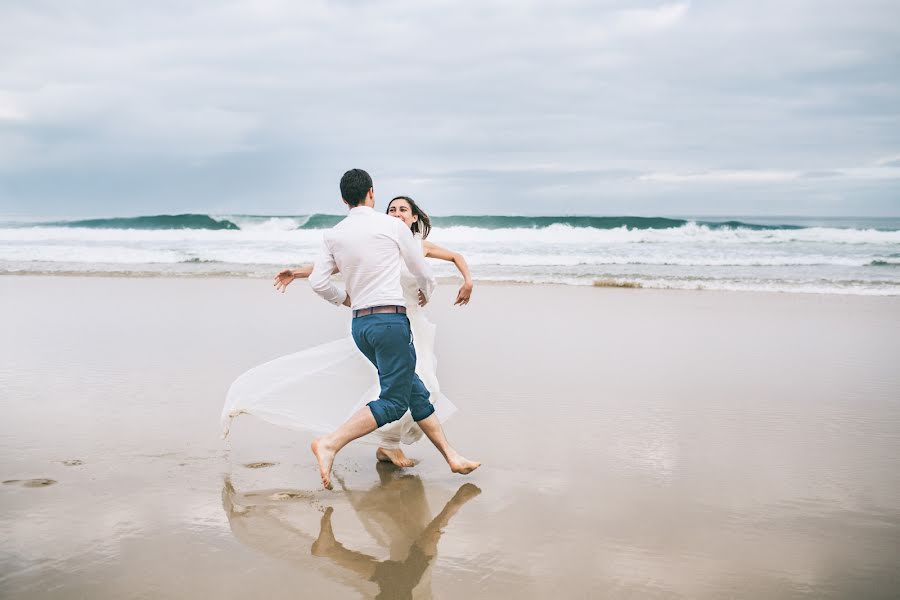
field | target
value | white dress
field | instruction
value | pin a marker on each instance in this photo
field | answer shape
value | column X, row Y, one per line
column 317, row 389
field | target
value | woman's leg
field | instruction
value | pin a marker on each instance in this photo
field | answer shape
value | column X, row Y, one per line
column 389, row 444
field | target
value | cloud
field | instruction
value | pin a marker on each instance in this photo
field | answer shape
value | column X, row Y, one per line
column 886, row 171
column 9, row 111
column 721, row 177
column 645, row 99
column 890, row 161
column 652, row 19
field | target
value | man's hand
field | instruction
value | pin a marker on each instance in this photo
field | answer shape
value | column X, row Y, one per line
column 422, row 299
column 284, row 279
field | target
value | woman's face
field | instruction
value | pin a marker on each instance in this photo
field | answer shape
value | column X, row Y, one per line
column 400, row 208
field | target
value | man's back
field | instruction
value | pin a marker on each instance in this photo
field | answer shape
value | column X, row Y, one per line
column 367, row 248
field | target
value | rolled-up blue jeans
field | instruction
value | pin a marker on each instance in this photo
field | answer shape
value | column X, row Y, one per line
column 386, row 340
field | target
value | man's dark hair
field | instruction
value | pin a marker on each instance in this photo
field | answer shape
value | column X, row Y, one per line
column 355, row 184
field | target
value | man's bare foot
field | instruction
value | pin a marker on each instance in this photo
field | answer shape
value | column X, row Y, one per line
column 393, row 455
column 461, row 465
column 325, row 457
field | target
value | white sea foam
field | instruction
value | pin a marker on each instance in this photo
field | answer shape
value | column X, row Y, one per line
column 817, row 259
column 39, row 234
column 689, row 233
column 277, row 229
column 115, row 251
column 664, row 259
column 266, row 223
column 65, row 253
column 854, row 288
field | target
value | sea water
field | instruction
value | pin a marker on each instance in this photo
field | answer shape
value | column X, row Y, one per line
column 791, row 254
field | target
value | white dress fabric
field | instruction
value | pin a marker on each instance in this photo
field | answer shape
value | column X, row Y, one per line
column 317, row 389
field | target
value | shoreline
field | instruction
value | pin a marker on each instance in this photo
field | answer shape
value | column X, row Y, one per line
column 601, row 283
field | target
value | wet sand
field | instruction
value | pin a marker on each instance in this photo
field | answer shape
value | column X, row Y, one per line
column 636, row 443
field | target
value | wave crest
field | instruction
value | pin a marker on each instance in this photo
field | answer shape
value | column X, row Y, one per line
column 185, row 221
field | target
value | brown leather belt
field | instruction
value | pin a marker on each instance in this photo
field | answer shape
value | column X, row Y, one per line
column 364, row 312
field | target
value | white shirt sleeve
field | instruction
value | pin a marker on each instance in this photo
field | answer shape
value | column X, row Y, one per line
column 411, row 251
column 320, row 278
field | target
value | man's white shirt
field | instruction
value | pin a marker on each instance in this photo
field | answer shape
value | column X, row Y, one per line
column 367, row 247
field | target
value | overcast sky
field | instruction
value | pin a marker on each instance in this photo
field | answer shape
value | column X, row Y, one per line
column 471, row 107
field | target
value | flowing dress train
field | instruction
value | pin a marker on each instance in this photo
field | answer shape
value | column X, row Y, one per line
column 317, row 389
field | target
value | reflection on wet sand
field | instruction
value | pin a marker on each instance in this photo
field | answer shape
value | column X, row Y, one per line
column 394, row 512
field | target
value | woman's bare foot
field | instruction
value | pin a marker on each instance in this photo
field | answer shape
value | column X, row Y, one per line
column 324, row 454
column 461, row 465
column 393, row 455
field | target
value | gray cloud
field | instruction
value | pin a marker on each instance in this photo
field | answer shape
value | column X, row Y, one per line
column 496, row 106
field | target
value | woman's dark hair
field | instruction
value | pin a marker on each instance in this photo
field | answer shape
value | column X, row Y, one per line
column 423, row 225
column 355, row 184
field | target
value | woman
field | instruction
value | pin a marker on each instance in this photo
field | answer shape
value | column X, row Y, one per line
column 271, row 391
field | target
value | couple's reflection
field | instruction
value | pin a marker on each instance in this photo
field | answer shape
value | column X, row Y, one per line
column 394, row 512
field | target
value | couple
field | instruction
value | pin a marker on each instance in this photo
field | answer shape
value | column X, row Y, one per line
column 369, row 249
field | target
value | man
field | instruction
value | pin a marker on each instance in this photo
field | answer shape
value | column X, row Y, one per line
column 367, row 248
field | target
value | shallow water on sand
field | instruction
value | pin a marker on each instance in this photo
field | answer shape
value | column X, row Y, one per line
column 636, row 443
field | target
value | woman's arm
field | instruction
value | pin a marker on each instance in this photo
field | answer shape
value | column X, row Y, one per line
column 284, row 279
column 465, row 292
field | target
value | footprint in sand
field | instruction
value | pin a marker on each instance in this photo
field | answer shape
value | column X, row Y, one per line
column 260, row 465
column 73, row 463
column 30, row 482
column 287, row 496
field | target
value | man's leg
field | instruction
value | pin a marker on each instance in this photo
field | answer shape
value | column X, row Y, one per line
column 423, row 413
column 419, row 408
column 326, row 447
column 385, row 340
column 388, row 346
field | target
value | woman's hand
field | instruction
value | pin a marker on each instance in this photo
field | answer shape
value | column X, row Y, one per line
column 284, row 279
column 465, row 292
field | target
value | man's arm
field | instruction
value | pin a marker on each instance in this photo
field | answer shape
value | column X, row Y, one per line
column 411, row 251
column 320, row 278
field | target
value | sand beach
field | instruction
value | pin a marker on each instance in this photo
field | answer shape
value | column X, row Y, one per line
column 636, row 443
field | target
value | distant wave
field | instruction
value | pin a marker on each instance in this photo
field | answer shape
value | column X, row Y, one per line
column 317, row 221
column 187, row 221
column 324, row 221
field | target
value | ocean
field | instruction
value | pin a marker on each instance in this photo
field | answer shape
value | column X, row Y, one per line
column 784, row 254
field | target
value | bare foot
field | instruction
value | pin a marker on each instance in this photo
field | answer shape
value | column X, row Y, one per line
column 325, row 457
column 393, row 455
column 461, row 465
